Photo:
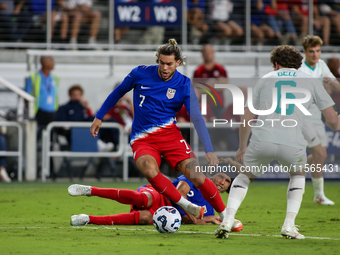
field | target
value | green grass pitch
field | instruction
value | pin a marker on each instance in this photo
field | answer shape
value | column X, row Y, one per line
column 34, row 219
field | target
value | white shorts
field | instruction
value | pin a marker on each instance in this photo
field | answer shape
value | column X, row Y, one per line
column 261, row 153
column 315, row 133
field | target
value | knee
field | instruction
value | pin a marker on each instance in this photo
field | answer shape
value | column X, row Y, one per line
column 198, row 181
column 320, row 155
column 64, row 17
column 96, row 15
column 145, row 218
column 77, row 17
column 148, row 167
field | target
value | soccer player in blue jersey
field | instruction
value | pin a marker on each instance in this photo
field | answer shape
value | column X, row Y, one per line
column 146, row 200
column 159, row 92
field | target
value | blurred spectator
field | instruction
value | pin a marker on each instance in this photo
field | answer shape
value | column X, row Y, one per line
column 334, row 65
column 44, row 86
column 212, row 73
column 3, row 163
column 119, row 32
column 196, row 19
column 80, row 12
column 268, row 8
column 29, row 12
column 260, row 27
column 78, row 109
column 220, row 15
column 15, row 19
column 331, row 8
column 285, row 19
column 38, row 9
column 300, row 13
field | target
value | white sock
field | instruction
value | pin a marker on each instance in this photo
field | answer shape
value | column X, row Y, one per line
column 318, row 187
column 184, row 203
column 296, row 188
column 237, row 193
column 223, row 214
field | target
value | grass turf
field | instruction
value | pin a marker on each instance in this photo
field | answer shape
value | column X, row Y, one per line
column 34, row 219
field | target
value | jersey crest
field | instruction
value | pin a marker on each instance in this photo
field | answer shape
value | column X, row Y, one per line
column 170, row 93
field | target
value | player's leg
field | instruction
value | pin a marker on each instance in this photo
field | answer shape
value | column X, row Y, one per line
column 143, row 217
column 123, row 196
column 319, row 154
column 257, row 154
column 317, row 142
column 297, row 158
column 149, row 167
column 208, row 189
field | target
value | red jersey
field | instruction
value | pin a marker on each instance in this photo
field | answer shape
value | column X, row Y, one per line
column 217, row 71
column 121, row 114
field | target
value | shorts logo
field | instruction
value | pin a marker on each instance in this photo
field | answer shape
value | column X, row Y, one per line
column 170, row 93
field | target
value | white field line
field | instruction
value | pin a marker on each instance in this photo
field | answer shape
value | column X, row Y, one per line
column 154, row 230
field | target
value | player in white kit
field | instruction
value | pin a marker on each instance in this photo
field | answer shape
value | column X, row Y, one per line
column 272, row 139
column 314, row 129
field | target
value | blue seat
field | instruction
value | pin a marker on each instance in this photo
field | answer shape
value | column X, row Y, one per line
column 82, row 140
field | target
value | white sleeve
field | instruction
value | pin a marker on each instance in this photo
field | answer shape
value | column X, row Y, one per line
column 327, row 72
column 320, row 96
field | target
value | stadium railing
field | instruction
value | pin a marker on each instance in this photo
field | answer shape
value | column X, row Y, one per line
column 19, row 152
column 110, row 9
column 30, row 129
column 47, row 153
column 33, row 57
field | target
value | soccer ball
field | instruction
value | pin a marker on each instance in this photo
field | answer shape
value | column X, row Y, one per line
column 167, row 219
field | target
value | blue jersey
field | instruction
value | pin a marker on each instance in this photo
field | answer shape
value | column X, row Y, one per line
column 156, row 102
column 194, row 196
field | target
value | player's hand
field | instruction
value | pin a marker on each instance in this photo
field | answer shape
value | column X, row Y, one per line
column 327, row 79
column 85, row 103
column 239, row 155
column 216, row 220
column 211, row 158
column 96, row 124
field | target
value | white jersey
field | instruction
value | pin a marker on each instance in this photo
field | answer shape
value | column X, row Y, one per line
column 319, row 71
column 270, row 128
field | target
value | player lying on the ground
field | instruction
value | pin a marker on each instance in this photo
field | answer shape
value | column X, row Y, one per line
column 146, row 200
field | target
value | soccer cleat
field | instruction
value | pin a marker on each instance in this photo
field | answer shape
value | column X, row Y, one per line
column 79, row 190
column 323, row 201
column 237, row 226
column 224, row 229
column 291, row 232
column 196, row 211
column 4, row 176
column 79, row 220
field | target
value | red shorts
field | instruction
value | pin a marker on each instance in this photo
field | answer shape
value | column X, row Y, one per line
column 167, row 142
column 158, row 200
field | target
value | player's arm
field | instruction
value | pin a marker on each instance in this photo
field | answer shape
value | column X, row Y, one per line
column 192, row 106
column 332, row 118
column 127, row 84
column 334, row 83
column 244, row 134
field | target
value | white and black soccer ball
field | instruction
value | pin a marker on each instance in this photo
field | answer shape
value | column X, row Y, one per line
column 167, row 219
